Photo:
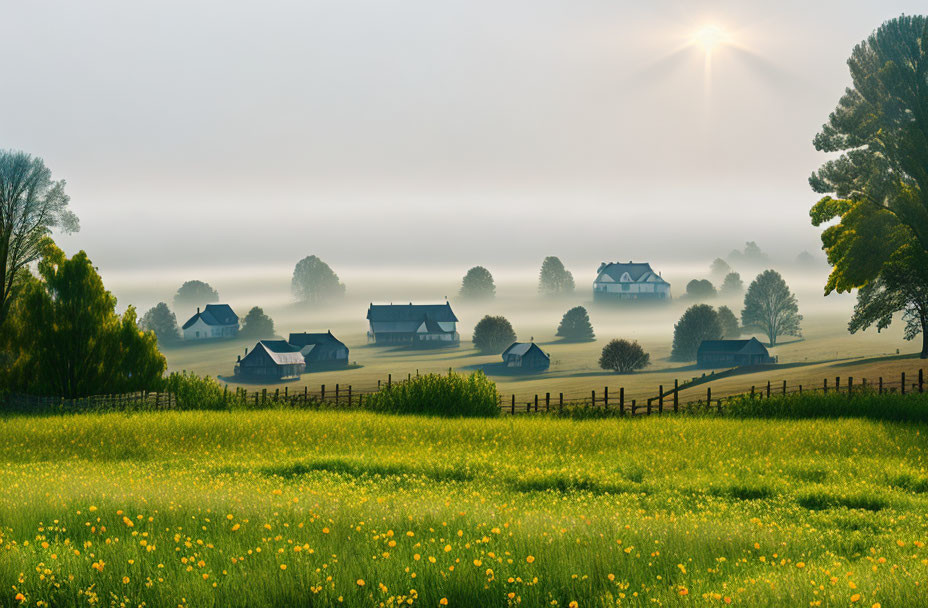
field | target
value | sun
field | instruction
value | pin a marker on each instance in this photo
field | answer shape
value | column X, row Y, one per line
column 710, row 37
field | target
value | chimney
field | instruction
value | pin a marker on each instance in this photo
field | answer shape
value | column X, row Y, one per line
column 239, row 360
column 198, row 310
column 246, row 350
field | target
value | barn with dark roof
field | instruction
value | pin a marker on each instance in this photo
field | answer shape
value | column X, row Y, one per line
column 320, row 350
column 421, row 325
column 631, row 281
column 214, row 322
column 270, row 360
column 732, row 353
column 527, row 356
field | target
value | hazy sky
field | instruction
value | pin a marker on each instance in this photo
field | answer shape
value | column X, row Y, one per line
column 381, row 132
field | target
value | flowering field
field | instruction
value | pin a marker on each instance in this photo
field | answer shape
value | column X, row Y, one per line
column 320, row 508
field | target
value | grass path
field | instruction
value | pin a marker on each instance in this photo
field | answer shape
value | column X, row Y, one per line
column 331, row 508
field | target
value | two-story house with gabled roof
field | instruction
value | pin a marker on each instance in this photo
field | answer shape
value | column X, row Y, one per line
column 631, row 281
column 422, row 325
column 216, row 321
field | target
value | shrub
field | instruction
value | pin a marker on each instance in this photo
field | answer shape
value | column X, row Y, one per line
column 624, row 356
column 698, row 323
column 452, row 396
column 493, row 334
column 575, row 325
column 200, row 393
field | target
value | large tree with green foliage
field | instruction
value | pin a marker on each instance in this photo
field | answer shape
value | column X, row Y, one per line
column 554, row 279
column 901, row 286
column 314, row 281
column 31, row 205
column 194, row 294
column 700, row 322
column 162, row 321
column 478, row 284
column 575, row 325
column 68, row 339
column 624, row 356
column 730, row 327
column 257, row 325
column 493, row 334
column 770, row 307
column 877, row 188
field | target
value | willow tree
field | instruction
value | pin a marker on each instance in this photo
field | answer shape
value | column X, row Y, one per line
column 877, row 188
column 31, row 205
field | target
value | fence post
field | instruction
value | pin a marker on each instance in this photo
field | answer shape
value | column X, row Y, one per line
column 709, row 396
column 594, row 399
column 800, row 389
column 286, row 393
column 606, row 397
column 322, row 393
column 561, row 401
column 536, row 402
column 660, row 399
column 305, row 394
column 837, row 384
column 513, row 404
column 276, row 395
column 676, row 396
column 768, row 389
column 784, row 387
column 256, row 399
column 263, row 396
column 921, row 381
column 336, row 394
column 633, row 407
column 903, row 383
column 389, row 380
column 349, row 395
column 547, row 402
column 825, row 386
column 850, row 385
column 621, row 400
column 752, row 391
column 649, row 407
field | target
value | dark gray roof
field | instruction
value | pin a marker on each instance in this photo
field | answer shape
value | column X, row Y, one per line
column 279, row 351
column 214, row 314
column 305, row 339
column 522, row 349
column 730, row 346
column 637, row 271
column 411, row 312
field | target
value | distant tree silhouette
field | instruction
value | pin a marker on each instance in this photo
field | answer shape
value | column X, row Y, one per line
column 575, row 325
column 478, row 284
column 730, row 327
column 162, row 321
column 257, row 325
column 493, row 334
column 192, row 295
column 314, row 281
column 732, row 283
column 700, row 289
column 719, row 268
column 623, row 356
column 770, row 307
column 698, row 323
column 554, row 279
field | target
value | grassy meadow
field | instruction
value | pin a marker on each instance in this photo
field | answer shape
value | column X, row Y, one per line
column 274, row 508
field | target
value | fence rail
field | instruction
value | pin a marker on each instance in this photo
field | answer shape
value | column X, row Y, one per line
column 662, row 399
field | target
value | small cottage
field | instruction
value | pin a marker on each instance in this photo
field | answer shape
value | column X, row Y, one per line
column 320, row 351
column 632, row 281
column 217, row 321
column 732, row 353
column 527, row 356
column 270, row 360
column 420, row 325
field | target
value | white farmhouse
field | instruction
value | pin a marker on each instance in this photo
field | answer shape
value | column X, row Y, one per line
column 215, row 322
column 631, row 281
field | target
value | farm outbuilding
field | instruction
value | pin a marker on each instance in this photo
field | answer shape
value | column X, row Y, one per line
column 732, row 353
column 320, row 350
column 270, row 360
column 217, row 321
column 527, row 356
column 422, row 325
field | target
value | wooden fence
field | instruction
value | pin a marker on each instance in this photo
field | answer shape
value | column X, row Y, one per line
column 662, row 399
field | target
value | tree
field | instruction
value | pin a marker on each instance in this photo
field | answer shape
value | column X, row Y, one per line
column 493, row 334
column 877, row 188
column 700, row 322
column 554, row 278
column 732, row 283
column 31, row 205
column 719, row 268
column 752, row 254
column 162, row 321
column 624, row 356
column 730, row 327
column 770, row 307
column 478, row 284
column 194, row 294
column 575, row 325
column 313, row 281
column 257, row 325
column 700, row 289
column 902, row 285
column 69, row 340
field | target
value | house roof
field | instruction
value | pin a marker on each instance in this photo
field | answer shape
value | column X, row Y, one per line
column 214, row 314
column 434, row 328
column 638, row 272
column 411, row 312
column 731, row 346
column 280, row 352
column 306, row 339
column 522, row 349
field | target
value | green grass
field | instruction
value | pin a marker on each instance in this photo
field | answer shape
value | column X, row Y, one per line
column 672, row 511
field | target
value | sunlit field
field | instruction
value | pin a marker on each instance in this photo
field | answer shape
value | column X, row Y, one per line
column 326, row 508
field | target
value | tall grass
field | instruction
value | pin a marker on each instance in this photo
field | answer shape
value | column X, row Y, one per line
column 861, row 404
column 452, row 395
